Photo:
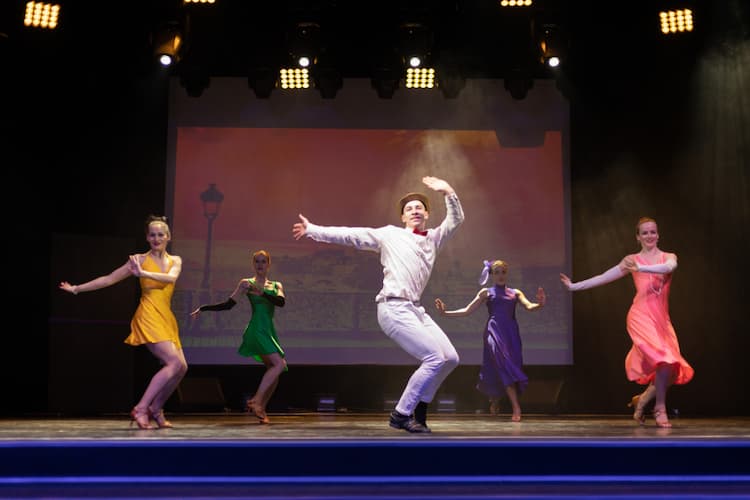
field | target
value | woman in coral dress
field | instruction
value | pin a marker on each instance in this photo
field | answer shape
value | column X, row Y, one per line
column 259, row 340
column 654, row 359
column 153, row 323
column 502, row 361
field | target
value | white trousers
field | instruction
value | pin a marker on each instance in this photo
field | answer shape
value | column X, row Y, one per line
column 417, row 334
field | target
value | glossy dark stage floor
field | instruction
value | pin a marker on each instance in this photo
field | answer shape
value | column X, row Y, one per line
column 316, row 455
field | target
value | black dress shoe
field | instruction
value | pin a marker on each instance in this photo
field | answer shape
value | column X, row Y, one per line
column 407, row 423
column 420, row 413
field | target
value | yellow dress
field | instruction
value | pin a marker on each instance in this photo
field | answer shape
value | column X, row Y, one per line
column 154, row 321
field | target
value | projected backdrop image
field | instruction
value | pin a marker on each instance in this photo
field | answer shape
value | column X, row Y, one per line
column 344, row 172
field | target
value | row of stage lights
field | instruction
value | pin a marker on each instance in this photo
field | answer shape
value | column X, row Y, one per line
column 299, row 78
column 305, row 71
column 169, row 43
column 46, row 15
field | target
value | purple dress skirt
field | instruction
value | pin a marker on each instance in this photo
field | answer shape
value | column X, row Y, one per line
column 502, row 360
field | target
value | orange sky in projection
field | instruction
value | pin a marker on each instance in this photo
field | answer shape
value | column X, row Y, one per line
column 512, row 197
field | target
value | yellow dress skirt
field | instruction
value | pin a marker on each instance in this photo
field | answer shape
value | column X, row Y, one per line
column 154, row 320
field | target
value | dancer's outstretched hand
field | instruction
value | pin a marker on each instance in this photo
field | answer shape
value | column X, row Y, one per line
column 565, row 281
column 541, row 297
column 437, row 185
column 440, row 305
column 299, row 229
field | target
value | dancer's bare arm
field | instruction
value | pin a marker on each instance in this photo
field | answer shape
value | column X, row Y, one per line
column 472, row 306
column 115, row 276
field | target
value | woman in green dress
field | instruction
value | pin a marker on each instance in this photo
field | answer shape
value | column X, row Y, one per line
column 259, row 340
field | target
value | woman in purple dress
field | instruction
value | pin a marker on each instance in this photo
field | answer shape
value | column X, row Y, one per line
column 502, row 361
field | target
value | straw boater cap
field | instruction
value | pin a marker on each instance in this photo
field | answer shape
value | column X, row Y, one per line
column 411, row 197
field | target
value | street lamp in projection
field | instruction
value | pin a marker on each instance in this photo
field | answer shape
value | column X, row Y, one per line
column 211, row 199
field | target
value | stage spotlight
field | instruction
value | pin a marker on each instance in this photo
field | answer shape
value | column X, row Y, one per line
column 194, row 81
column 420, row 78
column 303, row 43
column 41, row 15
column 328, row 81
column 262, row 80
column 676, row 21
column 515, row 3
column 385, row 81
column 450, row 81
column 518, row 83
column 551, row 44
column 210, row 2
column 294, row 78
column 414, row 44
column 168, row 44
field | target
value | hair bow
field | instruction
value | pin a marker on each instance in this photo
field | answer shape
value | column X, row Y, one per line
column 485, row 272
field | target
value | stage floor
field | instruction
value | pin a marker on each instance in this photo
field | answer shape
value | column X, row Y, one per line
column 370, row 426
column 358, row 456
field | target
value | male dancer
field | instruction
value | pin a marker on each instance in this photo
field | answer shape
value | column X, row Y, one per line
column 407, row 255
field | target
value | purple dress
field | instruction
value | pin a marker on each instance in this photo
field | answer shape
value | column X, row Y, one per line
column 503, row 357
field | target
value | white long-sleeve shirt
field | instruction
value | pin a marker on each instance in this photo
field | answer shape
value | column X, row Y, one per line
column 407, row 257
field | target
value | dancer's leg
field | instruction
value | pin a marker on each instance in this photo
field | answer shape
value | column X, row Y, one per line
column 663, row 379
column 513, row 396
column 639, row 402
column 165, row 381
column 275, row 365
column 404, row 323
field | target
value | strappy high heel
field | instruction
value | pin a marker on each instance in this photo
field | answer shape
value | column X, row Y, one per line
column 259, row 413
column 140, row 417
column 639, row 402
column 638, row 416
column 662, row 420
column 160, row 419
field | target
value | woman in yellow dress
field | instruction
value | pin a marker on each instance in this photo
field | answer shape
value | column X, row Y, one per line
column 153, row 323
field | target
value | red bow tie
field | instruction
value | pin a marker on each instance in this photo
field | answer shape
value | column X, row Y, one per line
column 422, row 233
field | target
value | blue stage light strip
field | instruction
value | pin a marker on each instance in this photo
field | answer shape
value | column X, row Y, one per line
column 419, row 480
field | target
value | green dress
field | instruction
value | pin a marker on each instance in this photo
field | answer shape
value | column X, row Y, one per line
column 260, row 334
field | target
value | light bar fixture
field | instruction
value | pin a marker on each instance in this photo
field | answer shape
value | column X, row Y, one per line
column 41, row 15
column 515, row 3
column 676, row 21
column 294, row 78
column 420, row 78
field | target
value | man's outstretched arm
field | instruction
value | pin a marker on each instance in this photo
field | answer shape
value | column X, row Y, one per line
column 362, row 238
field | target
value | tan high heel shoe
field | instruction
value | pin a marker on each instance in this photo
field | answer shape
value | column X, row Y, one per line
column 636, row 403
column 160, row 419
column 639, row 402
column 263, row 418
column 140, row 417
column 260, row 413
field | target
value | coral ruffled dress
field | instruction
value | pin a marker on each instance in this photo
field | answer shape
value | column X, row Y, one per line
column 650, row 329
